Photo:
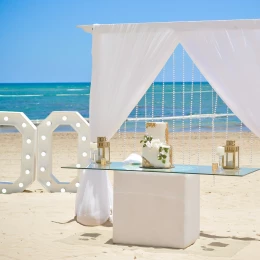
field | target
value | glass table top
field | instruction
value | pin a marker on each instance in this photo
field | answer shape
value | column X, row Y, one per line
column 178, row 168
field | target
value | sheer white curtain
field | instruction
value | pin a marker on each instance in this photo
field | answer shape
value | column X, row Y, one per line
column 125, row 61
column 230, row 61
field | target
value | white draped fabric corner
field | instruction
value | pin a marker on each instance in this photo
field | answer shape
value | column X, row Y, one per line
column 230, row 61
column 94, row 198
column 125, row 62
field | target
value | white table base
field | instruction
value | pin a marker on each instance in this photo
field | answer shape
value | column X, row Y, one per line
column 156, row 209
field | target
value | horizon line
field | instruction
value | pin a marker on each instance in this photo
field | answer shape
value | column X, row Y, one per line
column 79, row 82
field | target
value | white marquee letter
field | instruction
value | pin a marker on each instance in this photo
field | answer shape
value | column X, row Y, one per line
column 45, row 130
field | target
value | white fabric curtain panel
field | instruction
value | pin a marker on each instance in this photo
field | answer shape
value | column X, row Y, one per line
column 230, row 61
column 94, row 199
column 125, row 62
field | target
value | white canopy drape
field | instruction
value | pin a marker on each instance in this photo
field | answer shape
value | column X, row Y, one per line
column 126, row 58
column 125, row 62
column 230, row 61
column 123, row 68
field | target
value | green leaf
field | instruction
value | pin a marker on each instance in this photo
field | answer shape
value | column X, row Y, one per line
column 141, row 141
column 163, row 161
column 160, row 149
column 144, row 145
column 164, row 156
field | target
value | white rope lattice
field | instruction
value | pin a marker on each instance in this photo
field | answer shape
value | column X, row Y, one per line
column 119, row 132
column 182, row 117
column 183, row 102
column 152, row 101
column 187, row 95
column 213, row 130
column 200, row 107
column 145, row 105
column 124, row 142
column 173, row 103
column 251, row 148
column 163, row 89
column 227, row 123
column 136, row 115
column 191, row 107
column 240, row 140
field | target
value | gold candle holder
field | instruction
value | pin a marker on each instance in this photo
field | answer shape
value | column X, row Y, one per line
column 231, row 156
column 103, row 150
column 214, row 167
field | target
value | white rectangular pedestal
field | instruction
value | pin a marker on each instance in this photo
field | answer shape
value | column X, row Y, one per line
column 156, row 209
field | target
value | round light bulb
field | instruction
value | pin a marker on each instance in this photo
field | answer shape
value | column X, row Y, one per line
column 28, row 141
column 78, row 125
column 42, row 169
column 27, row 172
column 24, row 125
column 43, row 154
column 77, row 184
column 27, row 156
column 20, row 185
column 84, row 154
column 83, row 138
column 48, row 184
column 64, row 118
column 77, row 165
column 48, row 123
column 3, row 190
column 6, row 118
column 62, row 190
column 43, row 137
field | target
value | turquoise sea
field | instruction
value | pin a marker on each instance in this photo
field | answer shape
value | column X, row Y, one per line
column 38, row 100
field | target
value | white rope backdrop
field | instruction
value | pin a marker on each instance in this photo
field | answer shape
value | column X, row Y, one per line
column 187, row 99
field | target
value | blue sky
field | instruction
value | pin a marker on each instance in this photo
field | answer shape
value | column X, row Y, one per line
column 39, row 41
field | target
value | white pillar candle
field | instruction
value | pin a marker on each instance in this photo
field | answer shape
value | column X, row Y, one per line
column 93, row 146
column 230, row 164
column 220, row 150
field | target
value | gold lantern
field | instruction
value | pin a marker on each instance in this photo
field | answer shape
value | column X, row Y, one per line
column 231, row 156
column 103, row 154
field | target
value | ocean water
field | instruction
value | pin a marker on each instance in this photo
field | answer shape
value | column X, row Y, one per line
column 38, row 100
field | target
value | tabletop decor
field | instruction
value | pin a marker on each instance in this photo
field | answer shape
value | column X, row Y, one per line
column 156, row 152
column 231, row 156
column 220, row 153
column 103, row 154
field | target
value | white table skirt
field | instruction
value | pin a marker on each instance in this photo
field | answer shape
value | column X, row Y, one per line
column 156, row 209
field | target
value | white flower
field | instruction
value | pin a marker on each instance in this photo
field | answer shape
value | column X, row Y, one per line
column 163, row 152
column 148, row 144
column 156, row 143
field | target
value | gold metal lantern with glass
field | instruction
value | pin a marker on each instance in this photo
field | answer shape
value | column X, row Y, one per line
column 231, row 156
column 103, row 150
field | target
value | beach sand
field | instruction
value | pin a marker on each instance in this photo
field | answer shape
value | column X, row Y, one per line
column 40, row 225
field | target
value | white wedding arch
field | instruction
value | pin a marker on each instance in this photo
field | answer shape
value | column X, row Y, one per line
column 126, row 58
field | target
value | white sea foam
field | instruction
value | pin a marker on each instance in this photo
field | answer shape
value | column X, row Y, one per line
column 75, row 89
column 72, row 95
column 21, row 95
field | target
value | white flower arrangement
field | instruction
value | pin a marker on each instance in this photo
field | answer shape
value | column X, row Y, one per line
column 149, row 142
